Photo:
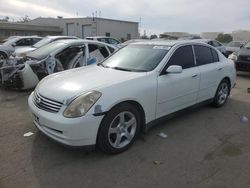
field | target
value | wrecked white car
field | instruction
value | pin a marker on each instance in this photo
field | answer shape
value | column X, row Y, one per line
column 54, row 57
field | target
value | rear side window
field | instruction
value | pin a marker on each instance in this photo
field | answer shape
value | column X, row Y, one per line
column 215, row 55
column 183, row 56
column 203, row 55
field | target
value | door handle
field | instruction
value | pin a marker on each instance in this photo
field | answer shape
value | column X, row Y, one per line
column 194, row 75
column 219, row 69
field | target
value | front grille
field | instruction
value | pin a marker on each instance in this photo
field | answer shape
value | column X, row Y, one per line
column 46, row 104
column 244, row 58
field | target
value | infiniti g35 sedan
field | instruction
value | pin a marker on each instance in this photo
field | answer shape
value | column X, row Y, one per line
column 110, row 103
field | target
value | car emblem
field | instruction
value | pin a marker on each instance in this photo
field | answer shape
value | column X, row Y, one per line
column 38, row 100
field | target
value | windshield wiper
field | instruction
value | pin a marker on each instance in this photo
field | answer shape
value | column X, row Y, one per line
column 123, row 69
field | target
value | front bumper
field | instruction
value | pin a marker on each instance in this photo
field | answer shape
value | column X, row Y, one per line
column 242, row 66
column 69, row 131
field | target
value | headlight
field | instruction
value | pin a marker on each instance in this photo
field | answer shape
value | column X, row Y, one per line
column 81, row 105
column 233, row 57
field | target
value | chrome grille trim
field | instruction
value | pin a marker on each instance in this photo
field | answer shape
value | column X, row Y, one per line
column 46, row 104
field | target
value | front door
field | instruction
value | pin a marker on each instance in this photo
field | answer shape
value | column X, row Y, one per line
column 178, row 90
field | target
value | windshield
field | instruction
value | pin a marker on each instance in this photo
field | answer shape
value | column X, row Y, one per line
column 247, row 45
column 235, row 44
column 42, row 42
column 44, row 51
column 137, row 58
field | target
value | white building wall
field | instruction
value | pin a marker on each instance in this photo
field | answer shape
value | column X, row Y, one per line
column 92, row 27
column 117, row 29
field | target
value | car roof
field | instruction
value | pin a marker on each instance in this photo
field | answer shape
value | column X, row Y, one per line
column 58, row 37
column 23, row 37
column 81, row 41
column 170, row 42
column 97, row 37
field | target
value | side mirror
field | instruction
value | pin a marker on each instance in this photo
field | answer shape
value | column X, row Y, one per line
column 242, row 46
column 13, row 45
column 174, row 69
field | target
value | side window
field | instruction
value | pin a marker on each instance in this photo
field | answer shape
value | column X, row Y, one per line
column 24, row 42
column 216, row 44
column 111, row 49
column 183, row 56
column 35, row 40
column 203, row 55
column 97, row 53
column 113, row 41
column 215, row 55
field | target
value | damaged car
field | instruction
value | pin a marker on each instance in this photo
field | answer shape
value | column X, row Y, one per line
column 8, row 47
column 54, row 57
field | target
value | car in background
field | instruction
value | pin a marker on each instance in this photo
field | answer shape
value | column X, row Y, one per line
column 19, row 53
column 8, row 47
column 132, row 41
column 241, row 58
column 104, row 39
column 214, row 43
column 110, row 103
column 53, row 57
column 233, row 46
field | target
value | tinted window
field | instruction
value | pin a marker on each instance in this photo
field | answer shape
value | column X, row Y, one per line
column 111, row 49
column 113, row 41
column 35, row 40
column 216, row 44
column 183, row 56
column 203, row 55
column 215, row 55
column 24, row 42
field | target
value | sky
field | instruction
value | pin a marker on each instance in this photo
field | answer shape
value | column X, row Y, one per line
column 155, row 16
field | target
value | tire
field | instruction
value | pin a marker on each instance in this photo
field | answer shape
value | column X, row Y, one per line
column 3, row 58
column 119, row 129
column 222, row 94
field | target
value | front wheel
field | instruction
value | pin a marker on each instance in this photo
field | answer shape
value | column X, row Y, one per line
column 222, row 93
column 119, row 129
column 3, row 59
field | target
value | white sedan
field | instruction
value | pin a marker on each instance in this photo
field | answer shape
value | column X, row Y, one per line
column 109, row 104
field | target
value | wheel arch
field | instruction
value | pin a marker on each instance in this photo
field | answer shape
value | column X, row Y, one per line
column 135, row 104
column 4, row 53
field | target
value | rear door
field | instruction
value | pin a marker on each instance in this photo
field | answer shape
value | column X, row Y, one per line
column 211, row 69
column 177, row 91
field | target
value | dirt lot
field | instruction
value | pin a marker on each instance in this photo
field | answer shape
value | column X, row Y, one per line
column 206, row 147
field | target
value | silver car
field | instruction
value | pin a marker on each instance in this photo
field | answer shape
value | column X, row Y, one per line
column 8, row 47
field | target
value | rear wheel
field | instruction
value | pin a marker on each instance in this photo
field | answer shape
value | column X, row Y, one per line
column 222, row 93
column 119, row 129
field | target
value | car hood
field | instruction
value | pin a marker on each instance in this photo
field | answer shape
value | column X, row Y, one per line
column 24, row 50
column 232, row 49
column 244, row 52
column 67, row 85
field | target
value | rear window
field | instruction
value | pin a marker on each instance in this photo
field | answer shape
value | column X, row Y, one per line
column 203, row 55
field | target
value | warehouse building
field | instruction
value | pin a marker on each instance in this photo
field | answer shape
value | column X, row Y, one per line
column 23, row 29
column 86, row 27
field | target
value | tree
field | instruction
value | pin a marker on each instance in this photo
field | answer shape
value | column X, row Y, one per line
column 24, row 19
column 154, row 36
column 225, row 38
